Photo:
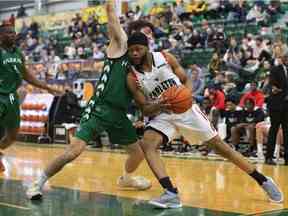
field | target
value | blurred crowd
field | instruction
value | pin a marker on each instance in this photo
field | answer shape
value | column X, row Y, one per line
column 232, row 88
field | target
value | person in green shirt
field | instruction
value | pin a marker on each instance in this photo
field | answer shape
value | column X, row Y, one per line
column 12, row 72
column 106, row 111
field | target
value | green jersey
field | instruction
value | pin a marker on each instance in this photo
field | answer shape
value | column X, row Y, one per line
column 106, row 111
column 11, row 69
column 112, row 88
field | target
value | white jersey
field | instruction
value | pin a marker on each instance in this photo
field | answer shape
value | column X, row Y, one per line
column 192, row 124
column 155, row 82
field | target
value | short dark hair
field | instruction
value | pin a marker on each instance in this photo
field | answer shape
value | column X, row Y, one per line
column 138, row 25
column 231, row 98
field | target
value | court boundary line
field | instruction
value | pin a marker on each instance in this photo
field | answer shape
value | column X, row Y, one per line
column 267, row 213
column 14, row 206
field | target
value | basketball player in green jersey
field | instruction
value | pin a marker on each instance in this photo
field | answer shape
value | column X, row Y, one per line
column 12, row 72
column 105, row 111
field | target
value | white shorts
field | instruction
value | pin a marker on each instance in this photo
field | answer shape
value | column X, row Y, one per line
column 193, row 125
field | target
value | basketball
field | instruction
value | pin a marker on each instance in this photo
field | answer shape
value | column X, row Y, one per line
column 180, row 98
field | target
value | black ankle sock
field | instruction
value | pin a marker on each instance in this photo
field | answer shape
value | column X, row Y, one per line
column 167, row 184
column 258, row 177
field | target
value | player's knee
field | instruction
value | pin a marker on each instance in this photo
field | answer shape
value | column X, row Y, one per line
column 74, row 150
column 135, row 149
column 9, row 139
column 212, row 143
column 151, row 142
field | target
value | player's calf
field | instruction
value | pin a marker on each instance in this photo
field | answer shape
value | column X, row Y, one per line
column 9, row 138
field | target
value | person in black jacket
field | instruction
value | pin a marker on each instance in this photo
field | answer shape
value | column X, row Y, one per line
column 278, row 108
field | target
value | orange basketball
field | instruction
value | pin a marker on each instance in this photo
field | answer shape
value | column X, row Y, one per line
column 180, row 98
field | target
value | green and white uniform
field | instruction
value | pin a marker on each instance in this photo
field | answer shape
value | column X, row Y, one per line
column 11, row 72
column 107, row 108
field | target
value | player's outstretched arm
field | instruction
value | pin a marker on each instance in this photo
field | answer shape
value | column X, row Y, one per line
column 178, row 70
column 148, row 109
column 118, row 38
column 30, row 78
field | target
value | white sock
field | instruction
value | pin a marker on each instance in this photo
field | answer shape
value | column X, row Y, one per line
column 42, row 179
column 277, row 151
column 259, row 149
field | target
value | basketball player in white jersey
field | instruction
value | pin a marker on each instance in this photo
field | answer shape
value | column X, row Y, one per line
column 151, row 74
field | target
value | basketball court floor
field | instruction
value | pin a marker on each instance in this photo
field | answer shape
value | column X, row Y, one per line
column 87, row 187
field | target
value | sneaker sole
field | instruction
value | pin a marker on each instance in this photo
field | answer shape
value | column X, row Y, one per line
column 35, row 197
column 163, row 206
column 274, row 201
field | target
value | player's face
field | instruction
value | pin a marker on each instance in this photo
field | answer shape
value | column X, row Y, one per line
column 8, row 36
column 230, row 106
column 137, row 54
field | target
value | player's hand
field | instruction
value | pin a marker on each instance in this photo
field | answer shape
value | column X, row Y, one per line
column 165, row 106
column 139, row 124
column 54, row 91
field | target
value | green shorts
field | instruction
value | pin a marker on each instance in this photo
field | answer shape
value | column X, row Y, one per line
column 9, row 111
column 99, row 118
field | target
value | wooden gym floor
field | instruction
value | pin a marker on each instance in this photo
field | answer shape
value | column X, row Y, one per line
column 87, row 186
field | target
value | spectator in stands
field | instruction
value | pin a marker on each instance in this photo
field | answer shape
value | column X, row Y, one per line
column 167, row 13
column 232, row 59
column 263, row 79
column 278, row 50
column 80, row 54
column 97, row 53
column 229, row 86
column 250, row 116
column 214, row 65
column 274, row 8
column 70, row 51
column 54, row 62
column 78, row 40
column 12, row 19
column 179, row 9
column 195, row 40
column 217, row 98
column 249, row 65
column 256, row 95
column 218, row 39
column 258, row 47
column 21, row 11
column 231, row 114
column 257, row 14
column 197, row 84
column 237, row 11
